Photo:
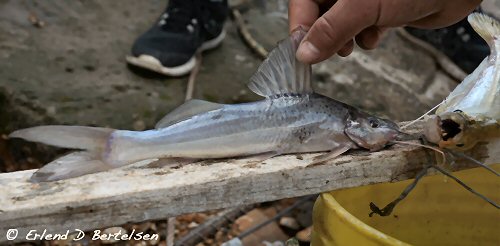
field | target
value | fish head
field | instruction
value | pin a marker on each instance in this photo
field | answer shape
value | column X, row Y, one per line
column 450, row 130
column 371, row 132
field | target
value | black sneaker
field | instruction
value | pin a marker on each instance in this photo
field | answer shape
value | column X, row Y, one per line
column 185, row 28
column 458, row 48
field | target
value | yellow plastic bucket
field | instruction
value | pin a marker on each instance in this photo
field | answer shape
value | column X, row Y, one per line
column 437, row 212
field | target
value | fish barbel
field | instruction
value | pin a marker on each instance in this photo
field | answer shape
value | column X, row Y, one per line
column 471, row 113
column 291, row 119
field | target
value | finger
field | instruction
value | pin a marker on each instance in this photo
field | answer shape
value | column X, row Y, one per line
column 443, row 18
column 428, row 14
column 347, row 49
column 400, row 12
column 369, row 38
column 302, row 13
column 335, row 28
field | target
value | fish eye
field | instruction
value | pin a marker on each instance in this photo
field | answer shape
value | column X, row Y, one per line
column 374, row 123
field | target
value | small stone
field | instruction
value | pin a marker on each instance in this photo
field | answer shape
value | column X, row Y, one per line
column 290, row 223
column 199, row 217
column 154, row 241
column 139, row 125
column 233, row 242
column 304, row 235
column 35, row 21
column 240, row 58
column 112, row 231
column 192, row 225
column 51, row 110
column 292, row 242
column 219, row 236
column 276, row 243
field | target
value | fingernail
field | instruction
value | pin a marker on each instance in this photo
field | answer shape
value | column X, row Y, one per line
column 303, row 27
column 307, row 52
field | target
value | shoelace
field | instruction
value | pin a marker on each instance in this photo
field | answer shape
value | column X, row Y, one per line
column 178, row 16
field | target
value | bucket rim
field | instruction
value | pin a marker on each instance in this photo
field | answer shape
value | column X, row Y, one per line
column 358, row 225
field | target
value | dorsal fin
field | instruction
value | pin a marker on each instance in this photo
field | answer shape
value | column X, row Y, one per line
column 186, row 111
column 281, row 73
column 485, row 26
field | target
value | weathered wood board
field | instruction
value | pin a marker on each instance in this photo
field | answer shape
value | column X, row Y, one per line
column 147, row 191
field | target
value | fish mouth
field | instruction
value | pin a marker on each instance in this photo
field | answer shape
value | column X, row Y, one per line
column 450, row 129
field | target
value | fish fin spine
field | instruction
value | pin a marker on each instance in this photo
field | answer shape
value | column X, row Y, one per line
column 281, row 73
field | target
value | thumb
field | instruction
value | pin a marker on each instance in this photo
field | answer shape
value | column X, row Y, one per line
column 335, row 28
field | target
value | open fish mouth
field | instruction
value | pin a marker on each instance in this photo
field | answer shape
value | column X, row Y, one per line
column 450, row 129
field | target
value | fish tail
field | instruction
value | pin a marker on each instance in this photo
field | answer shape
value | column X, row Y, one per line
column 92, row 140
column 70, row 166
column 486, row 26
column 73, row 137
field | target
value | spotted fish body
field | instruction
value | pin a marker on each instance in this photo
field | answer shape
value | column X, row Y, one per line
column 291, row 119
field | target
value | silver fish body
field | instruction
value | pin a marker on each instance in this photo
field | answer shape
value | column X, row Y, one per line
column 288, row 124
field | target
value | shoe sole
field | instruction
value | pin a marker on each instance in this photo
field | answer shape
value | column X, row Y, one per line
column 442, row 60
column 153, row 64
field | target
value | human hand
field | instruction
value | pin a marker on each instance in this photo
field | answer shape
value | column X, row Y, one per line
column 334, row 25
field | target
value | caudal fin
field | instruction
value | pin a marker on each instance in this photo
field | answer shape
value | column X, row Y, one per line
column 485, row 26
column 70, row 166
column 73, row 137
column 91, row 139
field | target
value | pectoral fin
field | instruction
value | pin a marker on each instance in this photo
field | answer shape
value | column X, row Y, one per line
column 263, row 156
column 330, row 155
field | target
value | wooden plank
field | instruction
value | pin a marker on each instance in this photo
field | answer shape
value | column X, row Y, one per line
column 144, row 191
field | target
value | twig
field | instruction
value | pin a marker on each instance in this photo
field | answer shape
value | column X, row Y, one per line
column 473, row 161
column 277, row 216
column 466, row 186
column 211, row 226
column 189, row 95
column 247, row 37
column 170, row 231
column 448, row 66
column 387, row 210
column 192, row 77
